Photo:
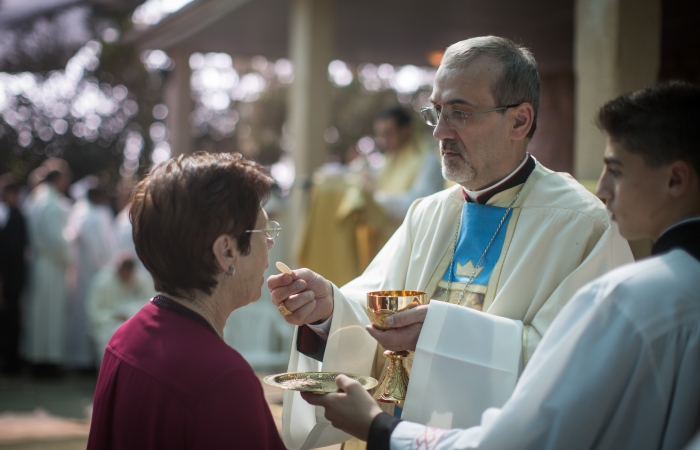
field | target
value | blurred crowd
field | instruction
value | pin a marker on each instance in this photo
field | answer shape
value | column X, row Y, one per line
column 68, row 269
column 70, row 275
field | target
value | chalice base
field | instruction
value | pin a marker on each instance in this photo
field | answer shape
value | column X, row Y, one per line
column 395, row 384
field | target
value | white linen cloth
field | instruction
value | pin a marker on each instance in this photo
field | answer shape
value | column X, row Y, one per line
column 442, row 394
column 618, row 369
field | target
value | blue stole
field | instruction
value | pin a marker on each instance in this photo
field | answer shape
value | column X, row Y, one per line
column 479, row 223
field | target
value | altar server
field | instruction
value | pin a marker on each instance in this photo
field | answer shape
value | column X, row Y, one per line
column 511, row 239
column 618, row 368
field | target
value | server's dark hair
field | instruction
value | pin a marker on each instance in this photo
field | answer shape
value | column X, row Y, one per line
column 657, row 122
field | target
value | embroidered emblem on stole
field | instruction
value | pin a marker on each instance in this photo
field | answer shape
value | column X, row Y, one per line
column 479, row 223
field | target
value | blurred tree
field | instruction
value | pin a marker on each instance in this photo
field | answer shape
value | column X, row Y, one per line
column 93, row 113
column 103, row 111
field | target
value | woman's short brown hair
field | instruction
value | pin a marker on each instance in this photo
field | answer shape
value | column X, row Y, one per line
column 181, row 207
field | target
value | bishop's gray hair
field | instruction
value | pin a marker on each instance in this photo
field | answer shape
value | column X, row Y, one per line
column 518, row 81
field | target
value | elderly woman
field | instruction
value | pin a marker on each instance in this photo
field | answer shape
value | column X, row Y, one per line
column 168, row 380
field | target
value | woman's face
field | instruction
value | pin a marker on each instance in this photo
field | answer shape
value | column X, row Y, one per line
column 251, row 268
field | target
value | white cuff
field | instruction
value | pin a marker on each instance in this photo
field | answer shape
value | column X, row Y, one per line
column 407, row 435
column 322, row 329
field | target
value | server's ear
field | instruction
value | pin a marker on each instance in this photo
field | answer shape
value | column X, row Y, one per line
column 680, row 178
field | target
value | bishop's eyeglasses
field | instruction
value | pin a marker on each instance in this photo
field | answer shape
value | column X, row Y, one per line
column 454, row 118
column 272, row 230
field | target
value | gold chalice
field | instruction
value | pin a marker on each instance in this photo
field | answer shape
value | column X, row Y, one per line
column 380, row 305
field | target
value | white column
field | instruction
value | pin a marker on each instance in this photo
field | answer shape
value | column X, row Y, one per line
column 178, row 99
column 617, row 49
column 311, row 46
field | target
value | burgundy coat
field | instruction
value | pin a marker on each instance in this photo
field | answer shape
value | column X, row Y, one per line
column 167, row 381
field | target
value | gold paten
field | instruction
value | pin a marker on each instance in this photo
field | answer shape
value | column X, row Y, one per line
column 318, row 382
column 380, row 305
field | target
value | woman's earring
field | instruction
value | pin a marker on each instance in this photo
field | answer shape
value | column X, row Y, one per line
column 232, row 269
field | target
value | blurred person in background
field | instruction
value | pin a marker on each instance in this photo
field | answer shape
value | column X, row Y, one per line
column 354, row 210
column 168, row 379
column 44, row 345
column 409, row 172
column 116, row 294
column 122, row 229
column 121, row 225
column 92, row 241
column 37, row 176
column 13, row 272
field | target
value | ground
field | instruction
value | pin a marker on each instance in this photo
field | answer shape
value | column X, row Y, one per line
column 55, row 415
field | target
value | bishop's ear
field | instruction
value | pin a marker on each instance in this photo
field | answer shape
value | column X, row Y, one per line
column 524, row 118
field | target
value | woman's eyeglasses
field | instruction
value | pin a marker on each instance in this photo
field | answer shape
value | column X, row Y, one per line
column 271, row 231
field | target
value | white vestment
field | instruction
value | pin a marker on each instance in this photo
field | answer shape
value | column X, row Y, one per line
column 618, row 369
column 123, row 232
column 124, row 240
column 558, row 238
column 110, row 302
column 93, row 247
column 46, row 218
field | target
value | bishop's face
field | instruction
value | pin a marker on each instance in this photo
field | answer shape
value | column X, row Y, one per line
column 633, row 192
column 472, row 155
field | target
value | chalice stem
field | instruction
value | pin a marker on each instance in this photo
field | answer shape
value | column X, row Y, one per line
column 393, row 387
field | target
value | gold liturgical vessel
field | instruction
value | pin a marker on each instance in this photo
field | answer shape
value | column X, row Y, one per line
column 380, row 305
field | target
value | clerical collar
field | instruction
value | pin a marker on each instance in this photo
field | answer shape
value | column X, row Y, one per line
column 516, row 177
column 684, row 235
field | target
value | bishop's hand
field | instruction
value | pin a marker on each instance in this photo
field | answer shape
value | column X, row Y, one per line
column 305, row 293
column 404, row 332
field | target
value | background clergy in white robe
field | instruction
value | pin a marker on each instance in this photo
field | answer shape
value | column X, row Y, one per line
column 118, row 292
column 90, row 226
column 618, row 368
column 45, row 334
column 556, row 238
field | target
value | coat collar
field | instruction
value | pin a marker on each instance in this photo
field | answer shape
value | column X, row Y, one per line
column 684, row 235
